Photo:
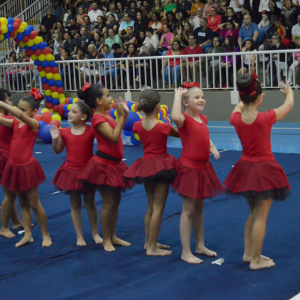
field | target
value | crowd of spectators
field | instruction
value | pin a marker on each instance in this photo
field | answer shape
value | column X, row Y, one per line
column 89, row 29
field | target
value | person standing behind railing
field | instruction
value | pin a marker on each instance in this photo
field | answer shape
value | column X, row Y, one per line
column 131, row 68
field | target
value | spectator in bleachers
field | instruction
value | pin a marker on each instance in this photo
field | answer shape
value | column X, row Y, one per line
column 169, row 67
column 58, row 54
column 58, row 41
column 130, row 72
column 223, row 6
column 296, row 3
column 100, row 26
column 67, row 17
column 191, row 63
column 184, row 5
column 157, row 8
column 282, row 32
column 70, row 44
column 204, row 35
column 184, row 34
column 133, row 10
column 66, row 70
column 69, row 5
column 112, row 39
column 46, row 35
column 112, row 10
column 208, row 6
column 146, row 11
column 214, row 63
column 56, row 4
column 287, row 10
column 195, row 22
column 168, row 38
column 142, row 68
column 109, row 65
column 97, row 41
column 94, row 13
column 112, row 23
column 237, row 5
column 277, row 45
column 294, row 65
column 151, row 41
column 232, row 16
column 80, row 15
column 170, row 7
column 197, row 4
column 172, row 21
column 81, row 3
column 182, row 17
column 140, row 24
column 245, row 10
column 91, row 68
column 265, row 22
column 214, row 20
column 85, row 39
column 127, row 22
column 89, row 26
column 121, row 11
column 274, row 10
column 249, row 31
column 228, row 29
column 49, row 21
column 131, row 37
column 59, row 28
column 156, row 24
column 249, row 60
column 295, row 34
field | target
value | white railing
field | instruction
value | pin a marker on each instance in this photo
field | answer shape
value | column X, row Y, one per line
column 10, row 8
column 75, row 73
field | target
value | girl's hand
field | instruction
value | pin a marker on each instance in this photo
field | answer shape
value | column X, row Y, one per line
column 284, row 88
column 55, row 133
column 119, row 108
column 124, row 105
column 181, row 91
column 215, row 152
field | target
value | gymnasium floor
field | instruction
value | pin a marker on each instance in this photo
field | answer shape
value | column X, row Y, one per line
column 65, row 271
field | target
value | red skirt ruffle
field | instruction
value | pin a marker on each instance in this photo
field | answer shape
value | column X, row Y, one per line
column 23, row 177
column 157, row 168
column 66, row 180
column 257, row 177
column 3, row 160
column 196, row 183
column 100, row 171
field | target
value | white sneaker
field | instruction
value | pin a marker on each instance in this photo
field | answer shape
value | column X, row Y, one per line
column 137, row 78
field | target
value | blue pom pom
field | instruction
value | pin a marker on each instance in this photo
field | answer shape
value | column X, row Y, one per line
column 45, row 63
column 34, row 47
column 45, row 134
column 42, row 124
column 52, row 64
column 52, row 82
column 10, row 21
column 59, row 83
column 132, row 118
column 44, row 80
column 55, row 101
column 37, row 63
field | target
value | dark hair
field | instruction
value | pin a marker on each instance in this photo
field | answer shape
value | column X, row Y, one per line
column 168, row 26
column 219, row 40
column 245, row 82
column 4, row 94
column 84, row 109
column 246, row 6
column 34, row 104
column 91, row 95
column 205, row 20
column 148, row 101
column 130, row 27
column 230, row 46
column 116, row 46
column 170, row 13
column 253, row 46
column 157, row 15
column 230, row 21
column 106, row 46
column 179, row 45
column 149, row 29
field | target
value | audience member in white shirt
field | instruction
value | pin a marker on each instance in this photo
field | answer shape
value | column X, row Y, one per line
column 95, row 13
column 236, row 5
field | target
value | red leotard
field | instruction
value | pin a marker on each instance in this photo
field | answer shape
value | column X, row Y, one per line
column 22, row 171
column 256, row 171
column 195, row 177
column 156, row 164
column 79, row 150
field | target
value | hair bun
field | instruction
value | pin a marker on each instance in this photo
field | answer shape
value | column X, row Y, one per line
column 81, row 94
column 244, row 82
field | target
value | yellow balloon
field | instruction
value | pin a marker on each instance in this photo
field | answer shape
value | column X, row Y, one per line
column 43, row 74
column 132, row 107
column 37, row 40
column 48, row 93
column 75, row 100
column 34, row 57
column 3, row 21
column 4, row 29
column 42, row 57
column 56, row 117
column 49, row 75
column 137, row 137
column 30, row 44
column 54, row 95
column 62, row 96
column 50, row 57
column 24, row 24
column 69, row 106
column 21, row 29
column 62, row 101
column 44, row 109
column 1, row 37
column 51, row 110
column 22, row 44
column 56, row 76
column 115, row 113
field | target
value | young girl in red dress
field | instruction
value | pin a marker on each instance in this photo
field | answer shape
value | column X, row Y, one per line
column 105, row 169
column 23, row 173
column 79, row 142
column 8, row 210
column 196, row 178
column 155, row 169
column 256, row 175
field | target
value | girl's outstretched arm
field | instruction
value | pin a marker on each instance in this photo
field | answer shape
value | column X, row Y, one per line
column 6, row 122
column 177, row 117
column 19, row 114
column 58, row 143
column 239, row 107
column 288, row 104
column 214, row 150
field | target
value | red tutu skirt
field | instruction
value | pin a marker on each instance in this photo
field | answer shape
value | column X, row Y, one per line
column 66, row 180
column 258, row 179
column 22, row 177
column 3, row 160
column 196, row 182
column 100, row 171
column 155, row 168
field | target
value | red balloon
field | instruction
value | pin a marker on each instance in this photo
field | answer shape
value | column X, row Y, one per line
column 40, row 68
column 54, row 70
column 11, row 34
column 46, row 86
column 56, row 108
column 16, row 26
column 53, row 89
column 60, row 90
column 48, row 70
column 38, row 117
column 46, row 51
column 113, row 105
column 38, row 52
column 18, row 21
column 48, row 105
column 61, row 112
column 33, row 34
column 55, row 122
column 61, row 106
column 67, row 101
column 25, row 38
column 46, row 116
column 30, row 52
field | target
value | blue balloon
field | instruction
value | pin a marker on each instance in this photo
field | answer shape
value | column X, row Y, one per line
column 51, row 82
column 134, row 141
column 66, row 114
column 71, row 101
column 129, row 104
column 37, row 63
column 112, row 111
column 55, row 101
column 44, row 80
column 20, row 37
column 6, row 35
column 49, row 99
column 10, row 21
column 10, row 28
column 66, row 107
column 128, row 133
column 34, row 47
column 42, row 124
column 52, row 64
column 132, row 118
column 30, row 27
column 59, row 83
column 42, row 45
column 45, row 63
column 26, row 47
column 45, row 134
column 27, row 31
